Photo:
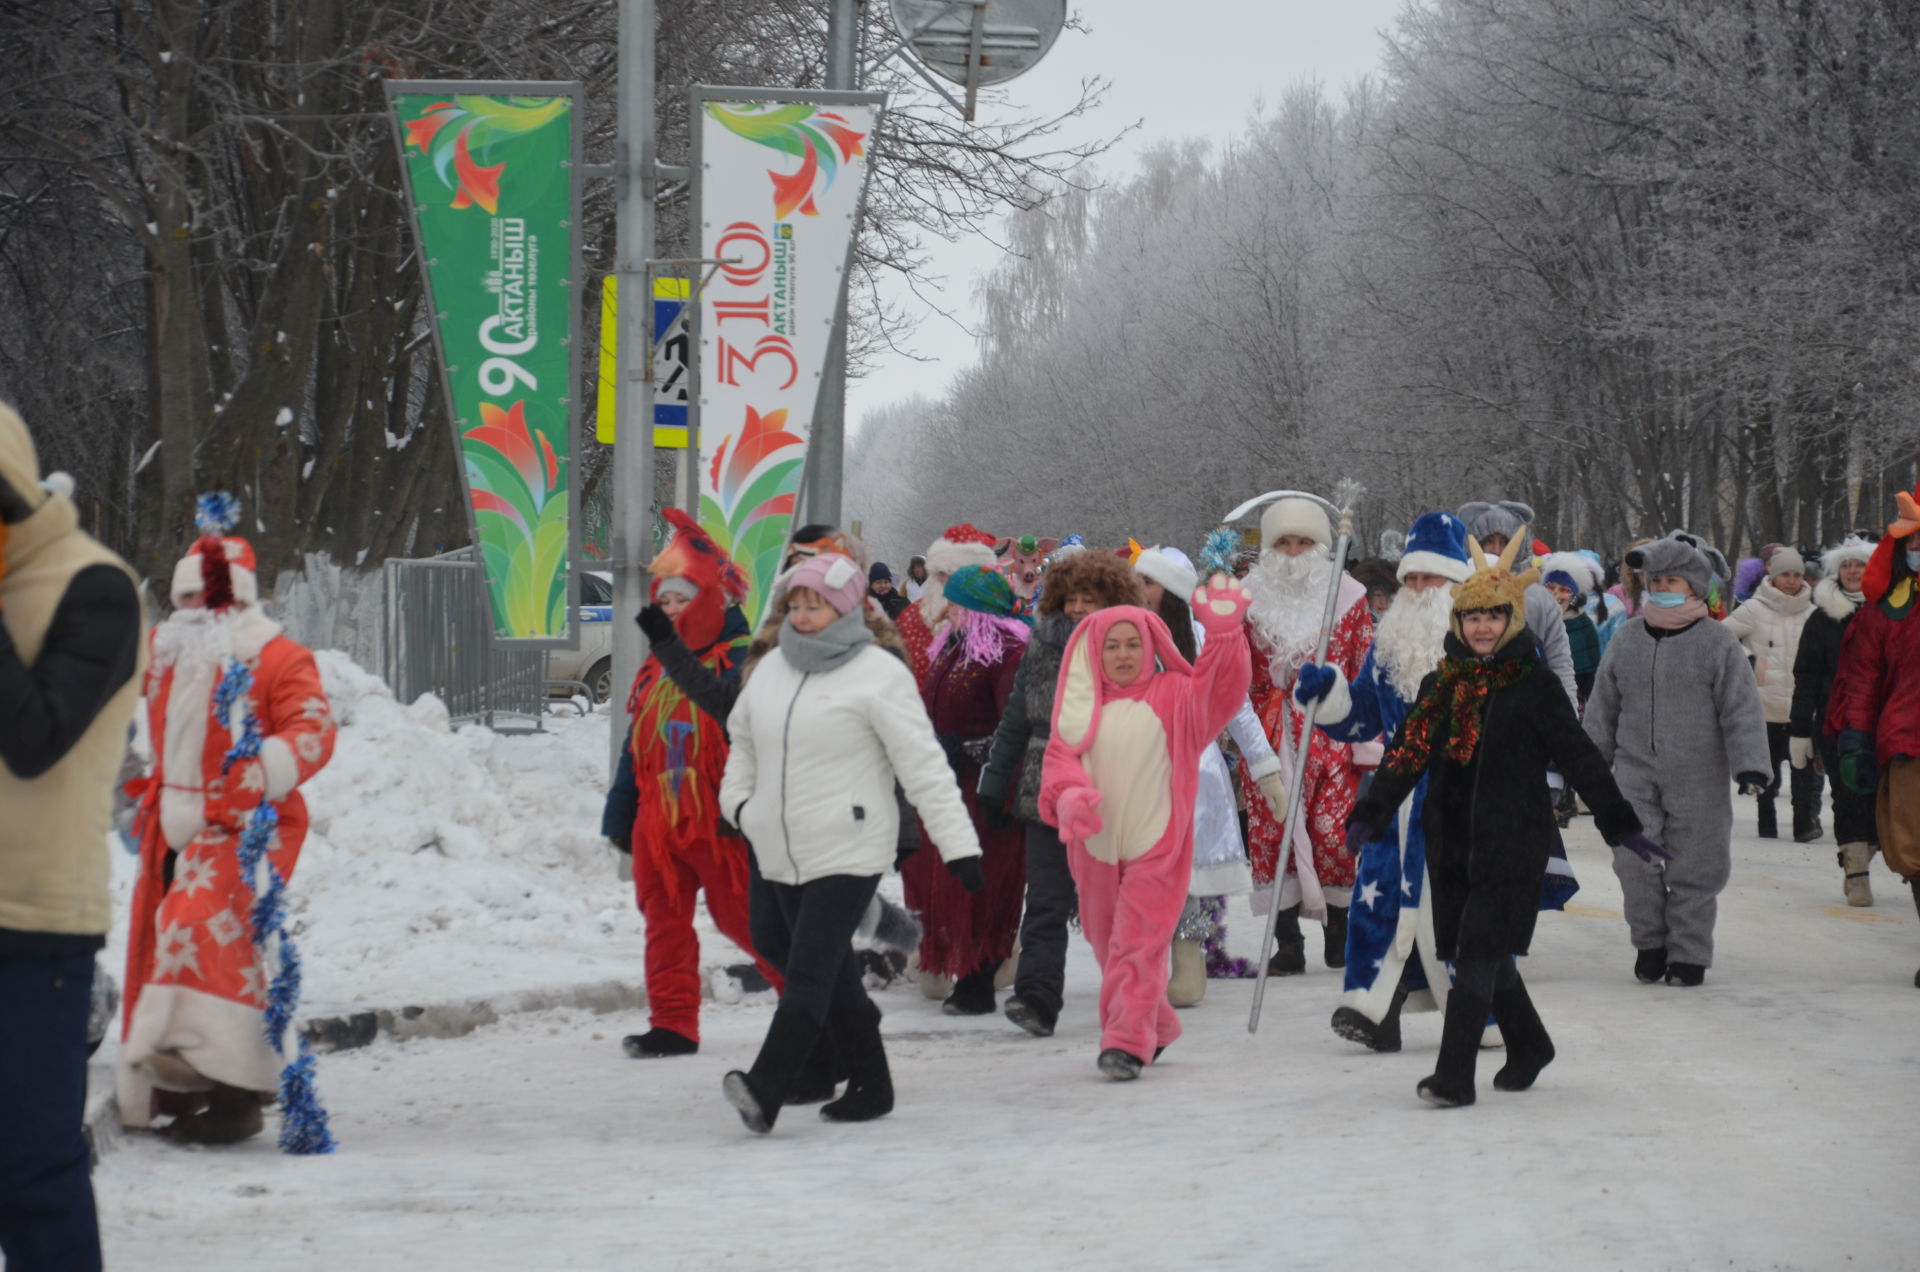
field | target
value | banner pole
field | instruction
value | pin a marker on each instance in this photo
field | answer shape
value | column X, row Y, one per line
column 827, row 448
column 632, row 538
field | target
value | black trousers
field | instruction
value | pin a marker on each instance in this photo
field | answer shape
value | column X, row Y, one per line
column 814, row 924
column 1853, row 814
column 47, row 1220
column 1804, row 784
column 1042, row 975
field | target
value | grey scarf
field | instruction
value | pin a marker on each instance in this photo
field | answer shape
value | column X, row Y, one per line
column 829, row 647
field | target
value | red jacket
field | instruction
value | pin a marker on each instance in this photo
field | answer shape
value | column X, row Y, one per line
column 1877, row 688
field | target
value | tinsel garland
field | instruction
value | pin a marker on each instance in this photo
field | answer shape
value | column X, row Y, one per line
column 1217, row 557
column 303, row 1123
column 1460, row 690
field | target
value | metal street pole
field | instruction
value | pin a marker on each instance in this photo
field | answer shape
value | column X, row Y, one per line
column 827, row 449
column 632, row 537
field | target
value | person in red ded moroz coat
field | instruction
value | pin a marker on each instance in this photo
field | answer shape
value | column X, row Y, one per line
column 193, row 1041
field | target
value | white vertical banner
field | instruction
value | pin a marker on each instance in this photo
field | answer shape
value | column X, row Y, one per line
column 782, row 174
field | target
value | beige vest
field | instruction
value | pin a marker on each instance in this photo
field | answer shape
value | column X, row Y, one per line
column 54, row 828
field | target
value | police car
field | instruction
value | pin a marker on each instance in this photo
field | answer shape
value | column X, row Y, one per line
column 592, row 663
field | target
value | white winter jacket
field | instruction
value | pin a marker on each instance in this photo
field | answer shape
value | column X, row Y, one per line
column 1769, row 625
column 814, row 758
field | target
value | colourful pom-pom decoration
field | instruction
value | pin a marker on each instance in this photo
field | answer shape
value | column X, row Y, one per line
column 216, row 513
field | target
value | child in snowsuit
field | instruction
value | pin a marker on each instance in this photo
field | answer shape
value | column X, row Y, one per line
column 663, row 806
column 1482, row 732
column 1676, row 713
column 1127, row 739
column 820, row 734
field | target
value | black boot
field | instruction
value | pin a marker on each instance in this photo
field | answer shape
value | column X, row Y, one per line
column 1529, row 1049
column 657, row 1044
column 1335, row 947
column 1289, row 947
column 1916, row 905
column 759, row 1092
column 1769, row 824
column 1805, row 785
column 1650, row 967
column 1451, row 1083
column 973, row 993
column 826, row 1066
column 869, row 1081
column 1385, row 1036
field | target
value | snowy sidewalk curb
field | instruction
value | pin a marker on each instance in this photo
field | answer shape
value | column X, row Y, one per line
column 358, row 1029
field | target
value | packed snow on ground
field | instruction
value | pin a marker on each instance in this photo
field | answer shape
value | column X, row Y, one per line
column 1763, row 1121
column 446, row 864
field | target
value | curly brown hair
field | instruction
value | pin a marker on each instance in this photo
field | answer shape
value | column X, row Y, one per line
column 1096, row 571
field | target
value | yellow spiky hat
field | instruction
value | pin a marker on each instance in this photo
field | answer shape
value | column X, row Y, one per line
column 1496, row 586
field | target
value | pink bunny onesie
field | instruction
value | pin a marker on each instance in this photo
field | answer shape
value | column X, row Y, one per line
column 1134, row 751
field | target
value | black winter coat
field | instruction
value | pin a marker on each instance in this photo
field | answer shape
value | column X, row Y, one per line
column 1489, row 822
column 1816, row 661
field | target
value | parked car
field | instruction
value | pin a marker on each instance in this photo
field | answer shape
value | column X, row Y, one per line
column 592, row 663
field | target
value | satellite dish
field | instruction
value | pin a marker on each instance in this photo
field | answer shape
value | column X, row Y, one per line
column 976, row 42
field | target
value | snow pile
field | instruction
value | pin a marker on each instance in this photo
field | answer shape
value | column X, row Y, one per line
column 445, row 865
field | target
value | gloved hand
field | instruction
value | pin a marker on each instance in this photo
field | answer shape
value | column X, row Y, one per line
column 1645, row 849
column 1274, row 788
column 1858, row 768
column 1752, row 783
column 1079, row 811
column 1313, row 684
column 1799, row 752
column 246, row 786
column 996, row 817
column 1221, row 603
column 967, row 871
column 654, row 622
column 1359, row 835
column 622, row 843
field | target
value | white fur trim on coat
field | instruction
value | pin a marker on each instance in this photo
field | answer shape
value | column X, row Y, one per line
column 283, row 770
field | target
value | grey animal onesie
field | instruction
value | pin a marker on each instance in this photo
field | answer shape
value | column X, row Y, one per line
column 1678, row 717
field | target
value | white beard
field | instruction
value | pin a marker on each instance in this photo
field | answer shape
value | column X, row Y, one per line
column 1289, row 600
column 933, row 601
column 200, row 637
column 1411, row 637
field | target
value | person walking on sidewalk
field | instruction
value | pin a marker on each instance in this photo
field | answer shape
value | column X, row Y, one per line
column 1836, row 599
column 821, row 733
column 1481, row 734
column 1220, row 868
column 1076, row 586
column 1676, row 713
column 1129, row 722
column 70, row 658
column 663, row 806
column 1875, row 709
column 968, row 685
column 1769, row 626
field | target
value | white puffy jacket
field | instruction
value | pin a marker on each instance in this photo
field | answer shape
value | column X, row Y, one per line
column 814, row 757
column 1769, row 625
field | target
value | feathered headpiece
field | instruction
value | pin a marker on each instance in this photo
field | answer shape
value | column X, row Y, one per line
column 1495, row 586
column 1906, row 521
column 693, row 555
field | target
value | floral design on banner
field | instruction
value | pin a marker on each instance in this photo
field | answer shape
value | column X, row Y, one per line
column 757, row 485
column 481, row 121
column 520, row 509
column 820, row 139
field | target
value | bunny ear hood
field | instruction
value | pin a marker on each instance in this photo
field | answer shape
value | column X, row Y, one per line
column 1084, row 688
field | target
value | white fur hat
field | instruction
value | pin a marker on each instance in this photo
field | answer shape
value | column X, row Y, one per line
column 1851, row 548
column 1294, row 515
column 1574, row 566
column 961, row 545
column 1170, row 568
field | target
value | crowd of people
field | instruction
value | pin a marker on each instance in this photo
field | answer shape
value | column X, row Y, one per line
column 1035, row 733
column 1387, row 748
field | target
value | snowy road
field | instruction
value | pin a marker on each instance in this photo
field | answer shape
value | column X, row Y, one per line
column 1766, row 1120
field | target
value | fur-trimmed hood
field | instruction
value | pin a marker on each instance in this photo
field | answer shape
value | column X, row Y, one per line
column 1837, row 603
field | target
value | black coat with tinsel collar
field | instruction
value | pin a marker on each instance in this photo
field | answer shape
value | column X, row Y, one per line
column 1489, row 822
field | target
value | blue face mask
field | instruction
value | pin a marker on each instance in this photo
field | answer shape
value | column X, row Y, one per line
column 1667, row 600
column 1913, row 559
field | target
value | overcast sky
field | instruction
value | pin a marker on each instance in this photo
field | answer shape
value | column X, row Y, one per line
column 1183, row 68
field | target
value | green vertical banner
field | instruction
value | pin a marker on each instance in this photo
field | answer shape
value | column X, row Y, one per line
column 490, row 171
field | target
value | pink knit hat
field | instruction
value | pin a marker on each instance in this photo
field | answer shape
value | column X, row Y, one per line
column 839, row 579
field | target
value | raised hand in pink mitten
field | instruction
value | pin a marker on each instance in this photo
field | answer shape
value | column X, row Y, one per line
column 1221, row 603
column 1079, row 811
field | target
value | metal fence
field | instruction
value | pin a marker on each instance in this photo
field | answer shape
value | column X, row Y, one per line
column 438, row 639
